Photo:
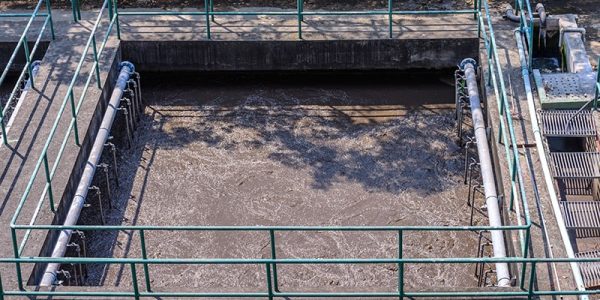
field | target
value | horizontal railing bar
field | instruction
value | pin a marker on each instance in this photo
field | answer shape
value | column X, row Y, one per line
column 267, row 228
column 295, row 13
column 301, row 294
column 291, row 261
column 18, row 15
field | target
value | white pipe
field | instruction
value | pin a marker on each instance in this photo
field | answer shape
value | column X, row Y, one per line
column 546, row 170
column 127, row 69
column 487, row 172
column 35, row 67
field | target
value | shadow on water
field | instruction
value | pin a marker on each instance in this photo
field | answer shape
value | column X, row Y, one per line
column 403, row 116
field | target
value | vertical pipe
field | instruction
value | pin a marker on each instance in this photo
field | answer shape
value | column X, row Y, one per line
column 87, row 176
column 562, row 228
column 487, row 171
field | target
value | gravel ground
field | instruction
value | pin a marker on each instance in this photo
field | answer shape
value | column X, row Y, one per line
column 293, row 153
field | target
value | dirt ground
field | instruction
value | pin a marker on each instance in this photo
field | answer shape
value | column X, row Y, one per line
column 242, row 150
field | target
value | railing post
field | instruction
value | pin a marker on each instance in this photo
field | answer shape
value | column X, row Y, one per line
column 525, row 250
column 390, row 17
column 299, row 17
column 400, row 266
column 274, row 256
column 73, row 10
column 207, row 14
column 3, row 126
column 597, row 86
column 74, row 114
column 110, row 10
column 136, row 289
column 212, row 9
column 96, row 60
column 531, row 281
column 145, row 256
column 49, row 182
column 116, row 6
column 1, row 289
column 13, row 233
column 49, row 10
column 269, row 284
column 28, row 60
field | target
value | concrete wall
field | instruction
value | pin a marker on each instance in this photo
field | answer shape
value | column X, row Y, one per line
column 298, row 55
column 7, row 49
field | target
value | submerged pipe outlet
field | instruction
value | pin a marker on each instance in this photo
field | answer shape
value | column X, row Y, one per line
column 50, row 275
column 487, row 171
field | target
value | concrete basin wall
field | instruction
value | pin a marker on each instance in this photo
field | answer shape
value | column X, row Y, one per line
column 396, row 54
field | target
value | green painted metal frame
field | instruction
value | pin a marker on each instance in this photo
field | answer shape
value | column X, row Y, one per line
column 506, row 135
column 29, row 54
column 597, row 97
column 526, row 25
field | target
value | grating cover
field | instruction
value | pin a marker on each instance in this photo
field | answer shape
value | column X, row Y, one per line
column 581, row 214
column 576, row 164
column 568, row 123
column 576, row 186
column 590, row 271
column 566, row 86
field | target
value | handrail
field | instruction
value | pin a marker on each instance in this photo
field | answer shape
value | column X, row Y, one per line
column 300, row 13
column 526, row 25
column 29, row 54
column 69, row 98
column 495, row 80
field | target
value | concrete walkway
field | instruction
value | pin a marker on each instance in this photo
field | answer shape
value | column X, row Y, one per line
column 32, row 127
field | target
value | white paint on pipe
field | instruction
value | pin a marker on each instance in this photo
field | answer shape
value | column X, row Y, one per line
column 127, row 69
column 487, row 172
column 546, row 170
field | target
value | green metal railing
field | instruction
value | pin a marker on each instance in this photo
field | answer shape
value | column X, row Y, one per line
column 597, row 97
column 526, row 25
column 530, row 291
column 23, row 44
column 50, row 171
column 494, row 79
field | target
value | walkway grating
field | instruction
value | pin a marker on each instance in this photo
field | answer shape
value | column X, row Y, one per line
column 568, row 123
column 573, row 165
column 590, row 270
column 581, row 214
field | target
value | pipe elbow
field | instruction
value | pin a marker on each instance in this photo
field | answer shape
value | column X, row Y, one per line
column 128, row 64
column 509, row 14
column 468, row 61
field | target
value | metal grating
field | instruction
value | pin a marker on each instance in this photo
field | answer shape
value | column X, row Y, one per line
column 567, row 86
column 581, row 214
column 590, row 271
column 568, row 123
column 576, row 164
column 576, row 186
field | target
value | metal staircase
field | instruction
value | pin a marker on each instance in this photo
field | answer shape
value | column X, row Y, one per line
column 577, row 175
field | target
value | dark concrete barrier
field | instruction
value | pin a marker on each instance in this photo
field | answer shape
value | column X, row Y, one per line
column 7, row 49
column 299, row 55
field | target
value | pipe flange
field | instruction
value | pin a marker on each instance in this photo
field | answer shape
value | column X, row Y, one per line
column 463, row 64
column 129, row 65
